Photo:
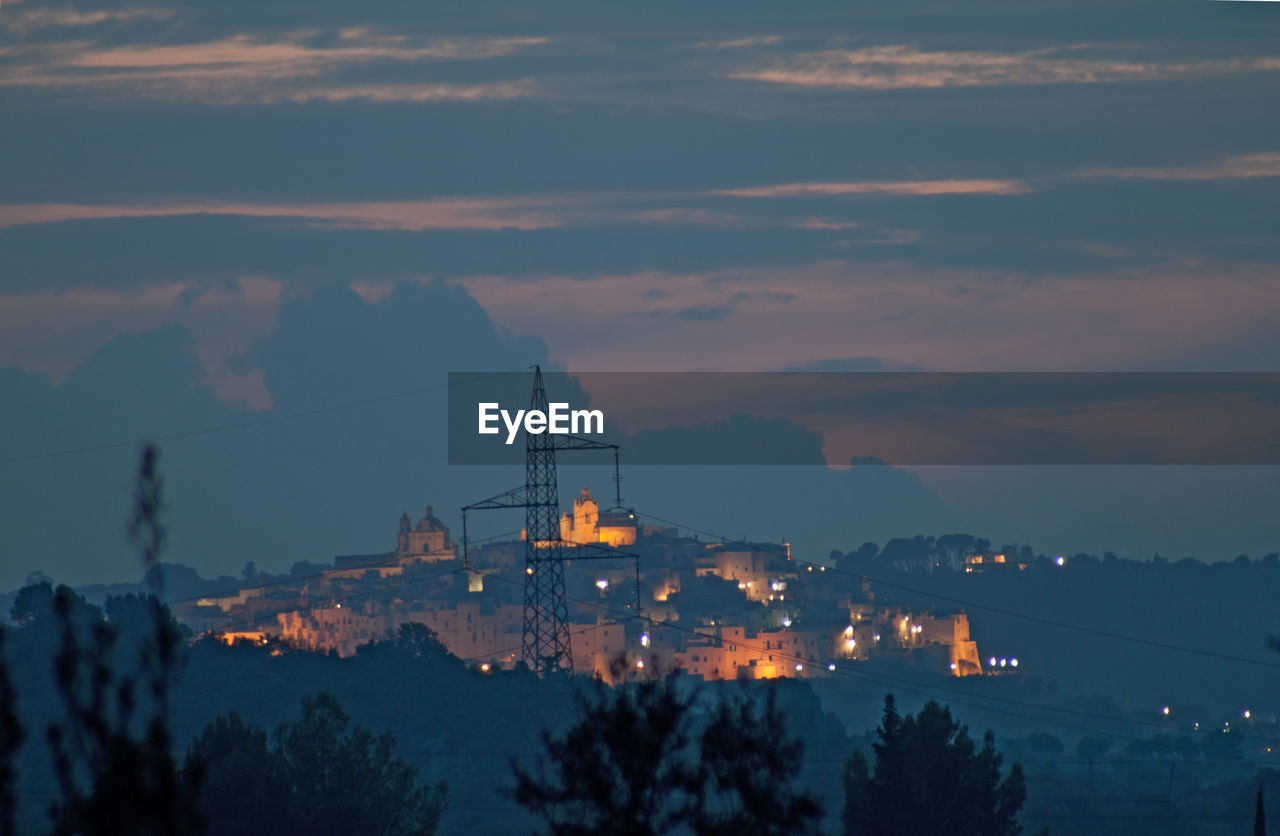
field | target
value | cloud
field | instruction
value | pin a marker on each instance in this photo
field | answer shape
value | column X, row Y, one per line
column 903, row 67
column 304, row 488
column 915, row 188
column 52, row 333
column 740, row 43
column 702, row 313
column 1240, row 167
column 411, row 215
column 523, row 212
column 25, row 22
column 852, row 364
column 913, row 316
column 417, row 93
column 297, row 66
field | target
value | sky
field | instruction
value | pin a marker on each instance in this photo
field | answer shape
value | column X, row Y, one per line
column 213, row 214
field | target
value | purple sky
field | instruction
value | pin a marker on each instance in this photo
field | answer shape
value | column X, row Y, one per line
column 1048, row 187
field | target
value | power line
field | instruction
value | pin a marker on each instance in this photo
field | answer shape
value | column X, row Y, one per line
column 359, row 595
column 257, row 422
column 998, row 610
column 380, row 561
column 877, row 679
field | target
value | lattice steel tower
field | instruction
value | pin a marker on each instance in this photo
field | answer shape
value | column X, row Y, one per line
column 546, row 612
column 545, row 646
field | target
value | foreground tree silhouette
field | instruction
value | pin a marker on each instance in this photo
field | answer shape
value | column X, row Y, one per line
column 930, row 780
column 112, row 752
column 639, row 762
column 11, row 737
column 748, row 762
column 318, row 775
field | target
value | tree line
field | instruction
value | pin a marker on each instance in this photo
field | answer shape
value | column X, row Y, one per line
column 947, row 552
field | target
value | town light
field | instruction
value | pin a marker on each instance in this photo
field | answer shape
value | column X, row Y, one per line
column 1165, row 711
column 1013, row 663
column 799, row 668
column 644, row 639
column 1059, row 560
column 1247, row 714
column 831, row 666
column 1004, row 662
column 528, row 570
column 991, row 663
column 850, row 644
column 602, row 584
column 639, row 663
column 786, row 622
column 485, row 667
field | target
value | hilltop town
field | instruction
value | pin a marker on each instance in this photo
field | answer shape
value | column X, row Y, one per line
column 716, row 610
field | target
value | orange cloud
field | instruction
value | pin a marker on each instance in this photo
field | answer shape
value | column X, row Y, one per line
column 412, row 215
column 243, row 69
column 888, row 187
column 898, row 67
column 1242, row 167
column 25, row 22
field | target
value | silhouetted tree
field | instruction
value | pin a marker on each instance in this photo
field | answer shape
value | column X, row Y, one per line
column 858, row 560
column 930, row 780
column 112, row 752
column 1259, row 817
column 244, row 791
column 1043, row 743
column 640, row 762
column 749, row 764
column 316, row 776
column 11, row 737
column 413, row 641
column 32, row 603
column 351, row 781
column 1093, row 748
column 953, row 549
column 1221, row 745
column 627, row 767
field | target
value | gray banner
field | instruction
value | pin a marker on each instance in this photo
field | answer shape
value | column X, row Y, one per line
column 898, row 418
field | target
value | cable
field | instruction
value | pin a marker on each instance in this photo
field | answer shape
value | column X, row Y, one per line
column 270, row 419
column 998, row 610
column 361, row 595
column 381, row 561
column 879, row 680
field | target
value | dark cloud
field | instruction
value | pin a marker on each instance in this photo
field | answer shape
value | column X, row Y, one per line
column 706, row 313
